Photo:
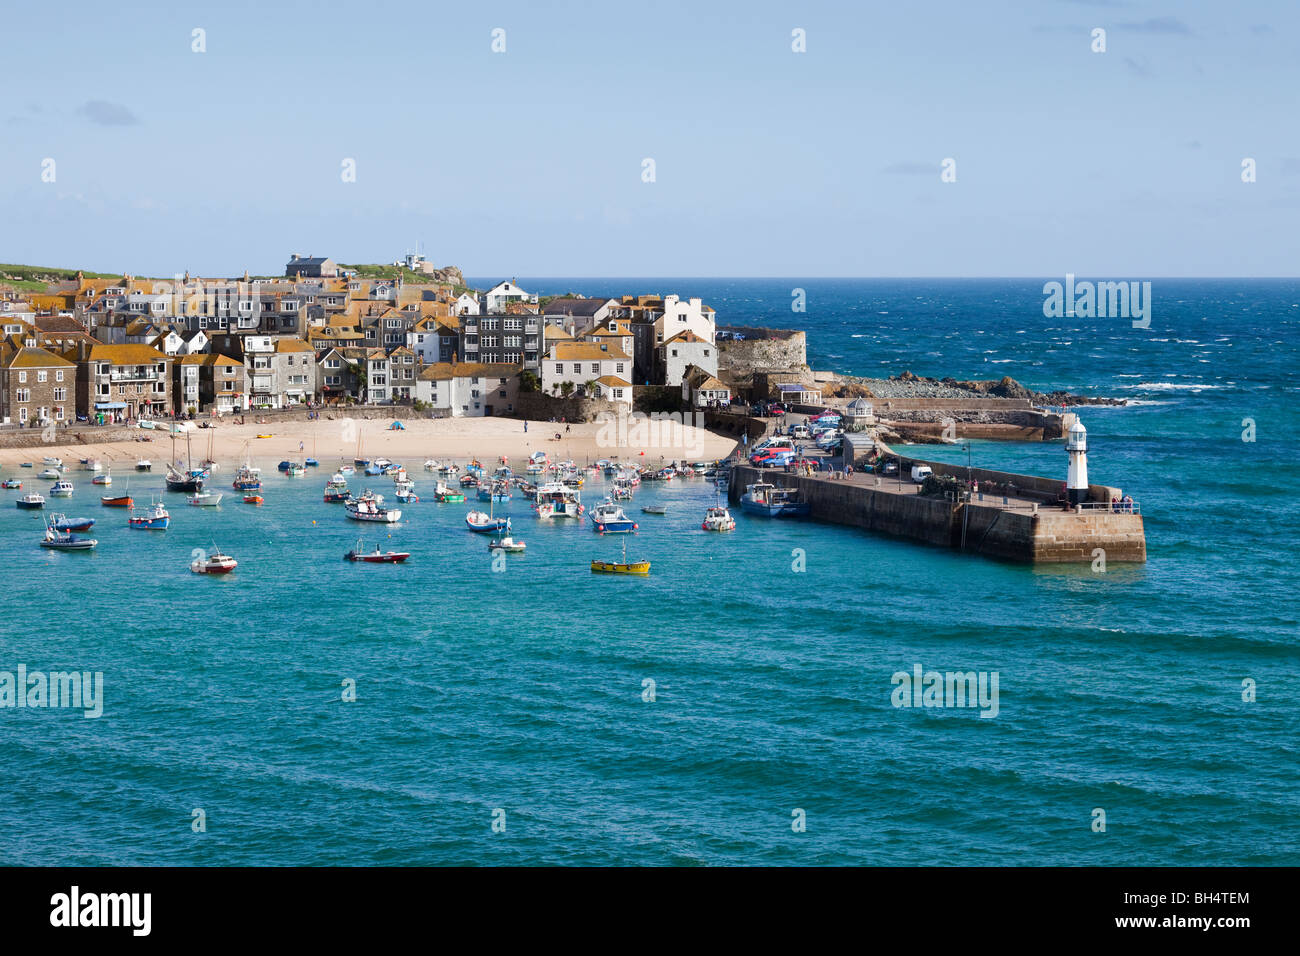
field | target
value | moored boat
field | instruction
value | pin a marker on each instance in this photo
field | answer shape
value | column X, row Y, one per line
column 557, row 500
column 144, row 464
column 51, row 474
column 213, row 563
column 204, row 499
column 104, row 479
column 655, row 510
column 608, row 518
column 336, row 489
column 446, row 495
column 484, row 523
column 376, row 556
column 13, row 483
column 117, row 501
column 370, row 508
column 62, row 489
column 252, row 499
column 57, row 540
column 31, row 501
column 153, row 518
column 718, row 519
column 620, row 567
column 64, row 523
column 770, row 501
column 506, row 544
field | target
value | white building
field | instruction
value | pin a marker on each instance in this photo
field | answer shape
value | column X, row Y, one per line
column 682, row 351
column 503, row 293
column 679, row 317
column 466, row 304
column 468, row 389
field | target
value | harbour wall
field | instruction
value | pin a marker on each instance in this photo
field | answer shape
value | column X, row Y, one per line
column 1026, row 535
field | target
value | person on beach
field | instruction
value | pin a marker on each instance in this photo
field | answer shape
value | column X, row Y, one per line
column 525, row 426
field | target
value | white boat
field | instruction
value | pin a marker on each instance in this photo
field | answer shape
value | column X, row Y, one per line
column 484, row 523
column 93, row 464
column 102, row 479
column 56, row 462
column 718, row 519
column 214, row 563
column 144, row 464
column 507, row 544
column 431, row 465
column 51, row 474
column 370, row 508
column 404, row 490
column 608, row 518
column 62, row 489
column 204, row 499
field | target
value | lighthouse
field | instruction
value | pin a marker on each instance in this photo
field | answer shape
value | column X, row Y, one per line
column 1076, row 480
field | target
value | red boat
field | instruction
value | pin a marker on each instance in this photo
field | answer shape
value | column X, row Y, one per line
column 376, row 556
column 252, row 499
column 117, row 501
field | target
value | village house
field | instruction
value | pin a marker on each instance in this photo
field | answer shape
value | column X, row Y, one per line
column 469, row 389
column 310, row 267
column 577, row 313
column 121, row 382
column 466, row 303
column 701, row 389
column 338, row 374
column 570, row 366
column 683, row 350
column 36, row 386
column 503, row 293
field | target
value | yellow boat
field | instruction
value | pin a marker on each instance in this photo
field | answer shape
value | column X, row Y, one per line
column 626, row 567
column 611, row 567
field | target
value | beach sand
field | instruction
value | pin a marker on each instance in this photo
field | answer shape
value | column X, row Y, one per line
column 332, row 442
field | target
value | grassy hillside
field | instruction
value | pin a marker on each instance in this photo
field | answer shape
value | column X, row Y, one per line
column 38, row 278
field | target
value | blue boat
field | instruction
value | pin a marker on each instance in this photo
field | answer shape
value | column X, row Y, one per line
column 153, row 518
column 609, row 518
column 496, row 491
column 312, row 463
column 62, row 523
column 765, row 499
column 486, row 524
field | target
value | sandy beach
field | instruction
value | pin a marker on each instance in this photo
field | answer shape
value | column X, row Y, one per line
column 334, row 441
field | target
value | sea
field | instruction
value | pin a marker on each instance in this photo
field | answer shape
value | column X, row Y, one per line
column 741, row 705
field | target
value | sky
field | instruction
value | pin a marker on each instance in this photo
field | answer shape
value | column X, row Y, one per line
column 766, row 161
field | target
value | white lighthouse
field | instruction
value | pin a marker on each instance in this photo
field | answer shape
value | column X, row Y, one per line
column 1076, row 480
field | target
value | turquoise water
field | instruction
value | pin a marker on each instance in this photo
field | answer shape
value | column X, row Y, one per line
column 522, row 690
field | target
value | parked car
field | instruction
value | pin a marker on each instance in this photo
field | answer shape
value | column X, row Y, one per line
column 800, row 430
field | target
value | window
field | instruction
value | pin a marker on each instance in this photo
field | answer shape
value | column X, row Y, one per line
column 618, row 367
column 595, row 368
column 559, row 368
column 60, row 394
column 23, row 395
column 22, row 414
column 22, row 376
column 42, row 375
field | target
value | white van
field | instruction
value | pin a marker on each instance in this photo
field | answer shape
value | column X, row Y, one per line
column 921, row 472
column 800, row 431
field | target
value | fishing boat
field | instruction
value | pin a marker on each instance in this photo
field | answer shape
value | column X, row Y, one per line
column 26, row 464
column 765, row 499
column 370, row 508
column 92, row 464
column 11, row 483
column 247, row 478
column 507, row 544
column 57, row 540
column 252, row 499
column 622, row 490
column 404, row 490
column 102, row 480
column 555, row 500
column 62, row 489
column 621, row 567
column 153, row 518
column 655, row 510
column 204, row 499
column 296, row 469
column 376, row 556
column 468, row 481
column 31, row 501
column 608, row 518
column 64, row 523
column 336, row 489
column 446, row 495
column 117, row 501
column 484, row 523
column 718, row 518
column 144, row 464
column 51, row 474
column 431, row 464
column 214, row 563
column 495, row 490
column 56, row 462
column 378, row 466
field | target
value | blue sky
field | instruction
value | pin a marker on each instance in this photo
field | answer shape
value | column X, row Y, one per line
column 768, row 162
